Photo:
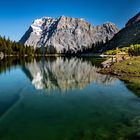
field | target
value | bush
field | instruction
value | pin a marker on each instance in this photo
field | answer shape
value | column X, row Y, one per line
column 134, row 50
column 112, row 52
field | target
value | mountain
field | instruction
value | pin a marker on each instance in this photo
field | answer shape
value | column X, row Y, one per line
column 130, row 34
column 66, row 34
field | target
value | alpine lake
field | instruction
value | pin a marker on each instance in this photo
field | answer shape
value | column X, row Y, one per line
column 65, row 98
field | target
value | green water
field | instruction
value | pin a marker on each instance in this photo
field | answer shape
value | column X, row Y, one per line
column 65, row 99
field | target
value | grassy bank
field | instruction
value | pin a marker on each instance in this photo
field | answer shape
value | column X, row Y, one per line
column 132, row 50
column 128, row 71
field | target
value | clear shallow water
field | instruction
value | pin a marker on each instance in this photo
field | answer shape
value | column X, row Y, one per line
column 65, row 99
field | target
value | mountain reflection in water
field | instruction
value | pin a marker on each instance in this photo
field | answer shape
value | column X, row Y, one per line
column 64, row 74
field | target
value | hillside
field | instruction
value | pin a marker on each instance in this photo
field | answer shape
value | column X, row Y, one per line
column 130, row 34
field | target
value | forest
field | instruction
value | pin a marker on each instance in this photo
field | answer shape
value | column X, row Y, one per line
column 8, row 47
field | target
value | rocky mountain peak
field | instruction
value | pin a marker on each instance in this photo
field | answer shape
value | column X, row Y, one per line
column 110, row 25
column 66, row 34
column 67, row 23
column 39, row 25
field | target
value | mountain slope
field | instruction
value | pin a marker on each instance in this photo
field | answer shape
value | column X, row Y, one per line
column 130, row 34
column 66, row 34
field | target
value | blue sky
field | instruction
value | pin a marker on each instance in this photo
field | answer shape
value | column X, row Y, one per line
column 17, row 15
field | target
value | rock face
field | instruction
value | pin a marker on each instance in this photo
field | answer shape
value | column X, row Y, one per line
column 66, row 34
column 64, row 74
column 130, row 34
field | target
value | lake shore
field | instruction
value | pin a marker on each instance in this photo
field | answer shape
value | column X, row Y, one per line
column 128, row 71
column 57, row 55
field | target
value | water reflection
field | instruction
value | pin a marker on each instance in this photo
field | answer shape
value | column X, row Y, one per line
column 98, row 112
column 64, row 74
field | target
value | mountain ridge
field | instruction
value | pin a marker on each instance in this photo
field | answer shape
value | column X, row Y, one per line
column 130, row 34
column 65, row 34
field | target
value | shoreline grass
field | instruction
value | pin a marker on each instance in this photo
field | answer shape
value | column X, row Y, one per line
column 128, row 71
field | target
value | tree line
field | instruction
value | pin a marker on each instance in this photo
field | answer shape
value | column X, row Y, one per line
column 134, row 50
column 8, row 47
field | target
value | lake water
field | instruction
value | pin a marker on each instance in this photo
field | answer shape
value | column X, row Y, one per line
column 65, row 99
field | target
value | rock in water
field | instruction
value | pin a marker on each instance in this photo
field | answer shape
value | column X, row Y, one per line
column 66, row 34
